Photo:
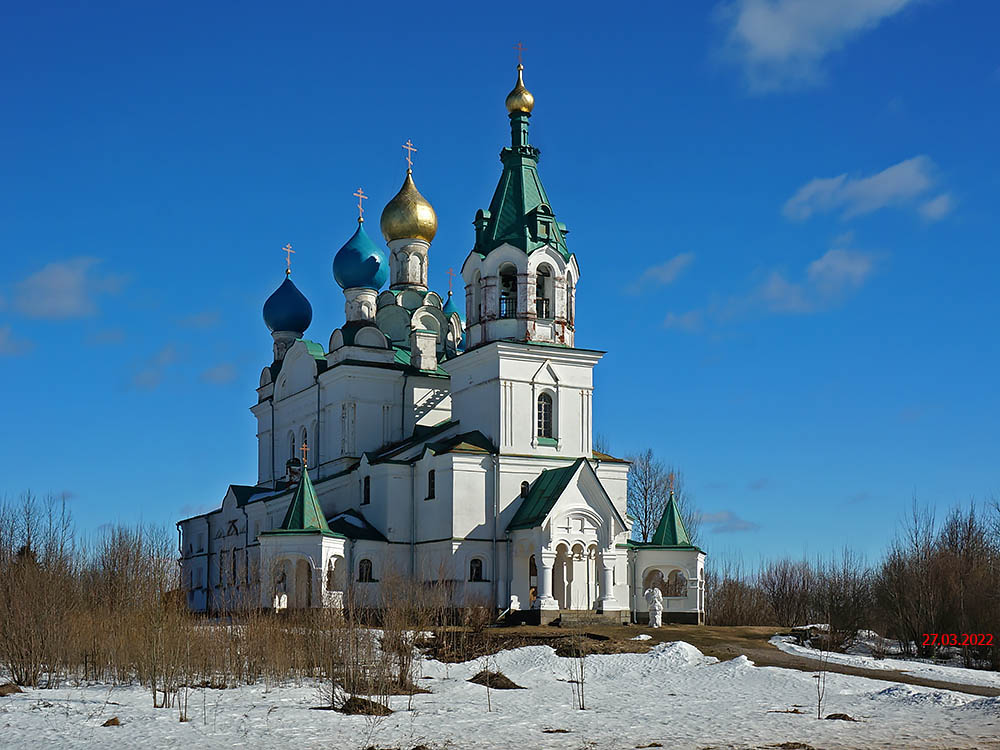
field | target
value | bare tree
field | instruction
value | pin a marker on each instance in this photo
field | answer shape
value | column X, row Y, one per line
column 649, row 484
column 647, row 493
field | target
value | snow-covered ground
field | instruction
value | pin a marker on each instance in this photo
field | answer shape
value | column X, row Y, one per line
column 672, row 695
column 925, row 668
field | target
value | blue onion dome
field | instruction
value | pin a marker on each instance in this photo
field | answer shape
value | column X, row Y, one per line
column 450, row 307
column 359, row 263
column 288, row 309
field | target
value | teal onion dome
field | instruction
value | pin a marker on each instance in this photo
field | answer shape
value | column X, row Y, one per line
column 288, row 309
column 359, row 263
column 450, row 307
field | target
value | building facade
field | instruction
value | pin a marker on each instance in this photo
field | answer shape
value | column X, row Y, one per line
column 439, row 441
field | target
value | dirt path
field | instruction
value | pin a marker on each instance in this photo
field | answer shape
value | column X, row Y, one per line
column 724, row 643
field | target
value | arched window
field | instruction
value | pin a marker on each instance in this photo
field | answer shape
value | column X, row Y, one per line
column 291, row 446
column 570, row 299
column 222, row 566
column 676, row 584
column 365, row 571
column 476, row 570
column 329, row 576
column 477, row 297
column 366, row 492
column 430, row 484
column 232, row 569
column 544, row 306
column 545, row 416
column 524, row 489
column 508, row 291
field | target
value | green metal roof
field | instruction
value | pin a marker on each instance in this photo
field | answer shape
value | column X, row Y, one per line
column 542, row 496
column 671, row 532
column 304, row 514
column 354, row 525
column 467, row 442
column 520, row 213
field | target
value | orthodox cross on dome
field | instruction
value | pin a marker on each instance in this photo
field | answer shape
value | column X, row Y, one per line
column 670, row 482
column 409, row 154
column 360, row 194
column 287, row 250
column 305, row 453
column 451, row 277
column 520, row 53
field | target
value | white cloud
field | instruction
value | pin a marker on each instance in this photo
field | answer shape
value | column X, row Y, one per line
column 64, row 289
column 206, row 319
column 783, row 43
column 664, row 273
column 840, row 270
column 690, row 321
column 937, row 208
column 826, row 282
column 899, row 185
column 220, row 374
column 725, row 521
column 10, row 346
column 150, row 376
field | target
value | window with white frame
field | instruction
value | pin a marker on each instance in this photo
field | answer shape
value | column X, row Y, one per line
column 544, row 416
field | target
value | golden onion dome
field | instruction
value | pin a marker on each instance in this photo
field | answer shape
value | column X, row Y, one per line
column 520, row 99
column 408, row 215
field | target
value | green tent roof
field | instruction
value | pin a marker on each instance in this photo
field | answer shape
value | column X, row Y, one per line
column 304, row 514
column 671, row 532
column 520, row 212
column 542, row 496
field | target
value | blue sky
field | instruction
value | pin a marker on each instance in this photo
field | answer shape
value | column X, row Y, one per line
column 784, row 217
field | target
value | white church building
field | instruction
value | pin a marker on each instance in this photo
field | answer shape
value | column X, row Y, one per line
column 440, row 443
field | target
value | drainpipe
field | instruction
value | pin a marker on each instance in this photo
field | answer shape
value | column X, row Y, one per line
column 496, row 514
column 402, row 409
column 319, row 428
column 273, row 483
column 510, row 564
column 413, row 522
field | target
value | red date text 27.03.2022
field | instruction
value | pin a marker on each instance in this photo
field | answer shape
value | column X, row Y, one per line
column 958, row 639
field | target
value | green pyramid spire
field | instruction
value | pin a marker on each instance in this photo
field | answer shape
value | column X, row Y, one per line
column 520, row 213
column 304, row 513
column 671, row 531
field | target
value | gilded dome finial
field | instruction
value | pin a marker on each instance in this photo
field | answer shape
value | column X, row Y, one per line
column 409, row 215
column 520, row 99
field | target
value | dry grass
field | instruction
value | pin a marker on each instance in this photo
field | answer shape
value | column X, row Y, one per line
column 494, row 680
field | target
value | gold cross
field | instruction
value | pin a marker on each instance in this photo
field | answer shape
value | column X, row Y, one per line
column 305, row 453
column 520, row 51
column 409, row 155
column 360, row 194
column 670, row 481
column 451, row 276
column 288, row 258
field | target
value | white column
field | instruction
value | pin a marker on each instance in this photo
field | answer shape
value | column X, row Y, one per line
column 607, row 602
column 546, row 561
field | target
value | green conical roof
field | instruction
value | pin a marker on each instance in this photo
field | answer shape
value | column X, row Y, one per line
column 671, row 531
column 304, row 513
column 520, row 212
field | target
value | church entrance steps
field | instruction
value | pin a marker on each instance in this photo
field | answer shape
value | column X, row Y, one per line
column 576, row 618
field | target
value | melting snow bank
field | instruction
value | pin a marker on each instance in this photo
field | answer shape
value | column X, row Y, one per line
column 673, row 695
column 927, row 670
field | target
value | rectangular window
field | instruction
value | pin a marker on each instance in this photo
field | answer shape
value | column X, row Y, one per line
column 366, row 492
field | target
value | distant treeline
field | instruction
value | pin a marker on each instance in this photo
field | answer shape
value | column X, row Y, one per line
column 934, row 578
column 112, row 611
